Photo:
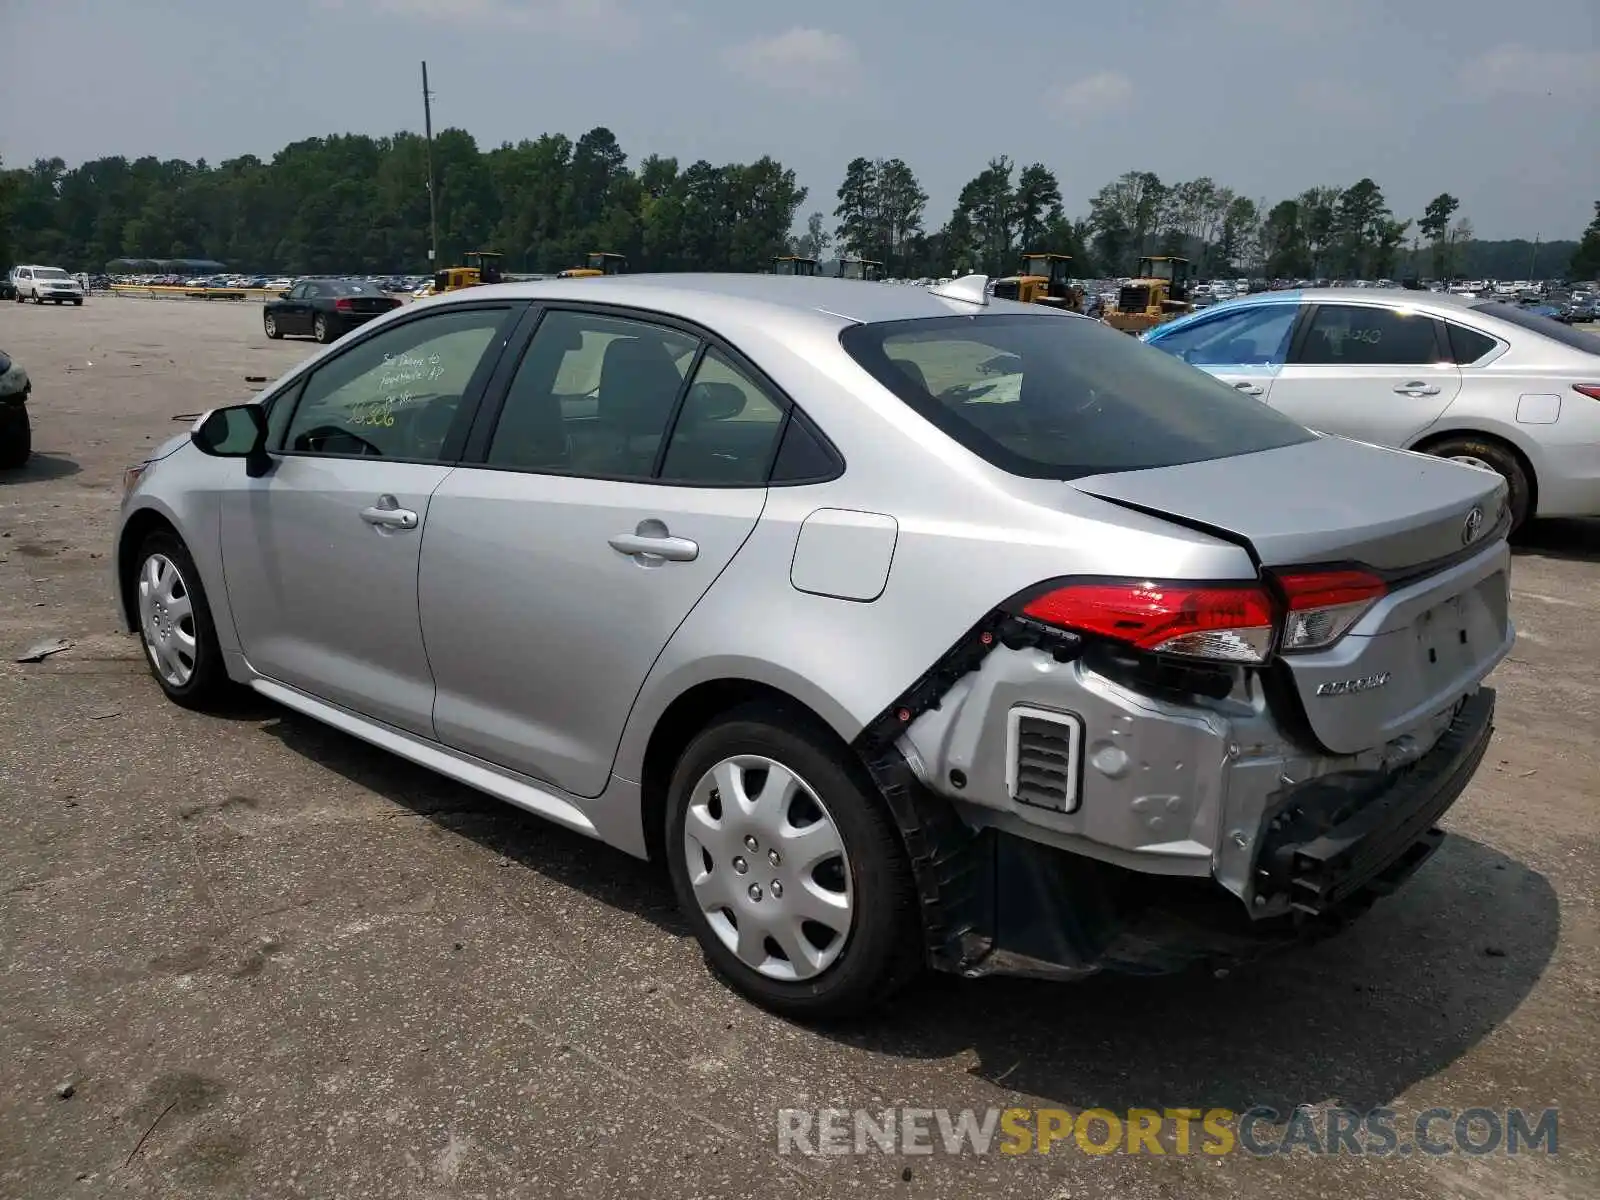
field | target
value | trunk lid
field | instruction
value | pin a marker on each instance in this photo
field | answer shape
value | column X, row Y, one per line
column 1435, row 529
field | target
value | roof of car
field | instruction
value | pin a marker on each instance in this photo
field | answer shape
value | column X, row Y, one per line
column 1434, row 303
column 811, row 300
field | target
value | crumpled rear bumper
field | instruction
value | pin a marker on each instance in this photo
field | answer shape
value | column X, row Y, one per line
column 998, row 903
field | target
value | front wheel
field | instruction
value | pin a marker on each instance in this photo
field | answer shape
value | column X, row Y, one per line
column 322, row 330
column 270, row 324
column 1493, row 456
column 175, row 624
column 789, row 867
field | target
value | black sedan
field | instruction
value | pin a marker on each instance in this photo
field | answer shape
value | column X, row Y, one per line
column 325, row 308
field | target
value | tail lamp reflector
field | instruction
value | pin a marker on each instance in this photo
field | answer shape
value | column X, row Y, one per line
column 1323, row 605
column 1227, row 624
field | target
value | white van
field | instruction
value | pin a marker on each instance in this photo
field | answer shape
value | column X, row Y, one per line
column 45, row 283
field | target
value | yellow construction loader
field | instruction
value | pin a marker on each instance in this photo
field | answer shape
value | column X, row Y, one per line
column 793, row 264
column 1044, row 279
column 601, row 262
column 483, row 266
column 1160, row 294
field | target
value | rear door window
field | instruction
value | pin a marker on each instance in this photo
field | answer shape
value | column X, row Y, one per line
column 1257, row 335
column 1060, row 397
column 1365, row 335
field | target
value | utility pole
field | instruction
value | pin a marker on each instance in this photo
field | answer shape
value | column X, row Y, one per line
column 1533, row 259
column 433, row 204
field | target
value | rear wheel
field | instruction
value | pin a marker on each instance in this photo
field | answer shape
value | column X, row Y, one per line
column 16, row 438
column 322, row 329
column 1494, row 456
column 789, row 868
column 175, row 625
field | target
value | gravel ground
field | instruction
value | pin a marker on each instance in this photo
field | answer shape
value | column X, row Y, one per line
column 248, row 956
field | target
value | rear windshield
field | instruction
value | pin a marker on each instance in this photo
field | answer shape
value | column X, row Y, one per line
column 350, row 287
column 1539, row 323
column 1060, row 397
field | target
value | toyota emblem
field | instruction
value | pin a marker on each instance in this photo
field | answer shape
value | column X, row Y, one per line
column 1472, row 525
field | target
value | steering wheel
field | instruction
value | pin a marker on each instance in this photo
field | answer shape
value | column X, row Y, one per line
column 335, row 434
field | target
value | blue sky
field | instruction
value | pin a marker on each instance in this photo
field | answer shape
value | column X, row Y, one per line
column 1498, row 104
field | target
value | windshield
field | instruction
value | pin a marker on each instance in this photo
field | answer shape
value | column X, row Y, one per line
column 50, row 273
column 1060, row 397
column 1538, row 322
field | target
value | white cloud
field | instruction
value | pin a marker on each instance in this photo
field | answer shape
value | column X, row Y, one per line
column 1513, row 69
column 590, row 20
column 813, row 62
column 1092, row 94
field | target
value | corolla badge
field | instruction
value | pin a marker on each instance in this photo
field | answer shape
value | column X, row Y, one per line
column 1349, row 687
column 1471, row 527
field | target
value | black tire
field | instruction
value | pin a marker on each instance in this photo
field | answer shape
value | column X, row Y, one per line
column 16, row 438
column 322, row 329
column 883, row 950
column 1503, row 460
column 269, row 325
column 77, row 304
column 208, row 683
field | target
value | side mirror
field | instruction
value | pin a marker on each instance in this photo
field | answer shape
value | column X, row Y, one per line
column 283, row 295
column 238, row 431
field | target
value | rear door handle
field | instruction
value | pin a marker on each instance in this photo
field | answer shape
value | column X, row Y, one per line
column 1417, row 388
column 1249, row 389
column 652, row 540
column 386, row 514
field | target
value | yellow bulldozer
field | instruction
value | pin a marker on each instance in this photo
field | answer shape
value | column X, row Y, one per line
column 602, row 262
column 793, row 264
column 861, row 268
column 483, row 266
column 1044, row 279
column 1160, row 294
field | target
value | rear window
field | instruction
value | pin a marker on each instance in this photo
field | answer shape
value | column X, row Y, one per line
column 1565, row 334
column 349, row 287
column 1061, row 397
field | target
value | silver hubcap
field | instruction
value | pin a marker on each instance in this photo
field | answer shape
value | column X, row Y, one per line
column 166, row 619
column 768, row 867
column 1471, row 461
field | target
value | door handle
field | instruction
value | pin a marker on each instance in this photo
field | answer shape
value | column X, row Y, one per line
column 389, row 517
column 1417, row 388
column 1249, row 389
column 652, row 540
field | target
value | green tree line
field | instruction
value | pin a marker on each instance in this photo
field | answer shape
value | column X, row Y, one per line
column 350, row 202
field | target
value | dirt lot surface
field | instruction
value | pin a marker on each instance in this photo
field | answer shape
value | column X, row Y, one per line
column 249, row 956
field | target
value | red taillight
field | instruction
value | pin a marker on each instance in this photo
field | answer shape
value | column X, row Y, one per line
column 1591, row 390
column 1323, row 605
column 1229, row 624
column 344, row 304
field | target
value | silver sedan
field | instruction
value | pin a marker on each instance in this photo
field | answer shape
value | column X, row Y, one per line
column 1479, row 381
column 906, row 626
